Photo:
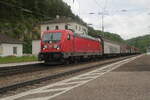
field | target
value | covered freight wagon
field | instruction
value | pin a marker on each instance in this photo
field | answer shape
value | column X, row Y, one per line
column 111, row 47
column 124, row 49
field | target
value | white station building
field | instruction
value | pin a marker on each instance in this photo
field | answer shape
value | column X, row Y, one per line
column 64, row 23
column 10, row 46
column 59, row 24
column 148, row 50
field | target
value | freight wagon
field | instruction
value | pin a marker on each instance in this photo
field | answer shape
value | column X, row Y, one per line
column 111, row 48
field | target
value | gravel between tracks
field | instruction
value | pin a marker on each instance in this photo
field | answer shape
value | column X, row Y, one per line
column 8, row 80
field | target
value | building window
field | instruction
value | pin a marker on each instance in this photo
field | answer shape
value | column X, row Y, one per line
column 14, row 50
column 84, row 30
column 76, row 27
column 47, row 28
column 66, row 27
column 56, row 27
column 79, row 28
column 1, row 50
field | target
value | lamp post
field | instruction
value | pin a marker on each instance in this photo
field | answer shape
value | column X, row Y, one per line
column 102, row 19
column 102, row 22
column 103, row 13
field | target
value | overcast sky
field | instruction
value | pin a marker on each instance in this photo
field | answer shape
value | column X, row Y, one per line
column 128, row 18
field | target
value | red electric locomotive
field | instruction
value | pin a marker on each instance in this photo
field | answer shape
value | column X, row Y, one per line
column 64, row 45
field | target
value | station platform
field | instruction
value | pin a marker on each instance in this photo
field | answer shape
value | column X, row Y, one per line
column 128, row 82
column 125, row 80
column 19, row 64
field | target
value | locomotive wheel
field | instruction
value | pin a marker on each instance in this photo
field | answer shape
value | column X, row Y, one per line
column 65, row 61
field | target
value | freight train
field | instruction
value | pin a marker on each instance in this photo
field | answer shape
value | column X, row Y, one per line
column 65, row 45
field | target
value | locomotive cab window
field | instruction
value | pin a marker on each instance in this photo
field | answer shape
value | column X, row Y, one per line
column 53, row 37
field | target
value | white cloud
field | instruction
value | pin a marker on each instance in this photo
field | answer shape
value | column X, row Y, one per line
column 133, row 23
column 140, row 3
column 128, row 26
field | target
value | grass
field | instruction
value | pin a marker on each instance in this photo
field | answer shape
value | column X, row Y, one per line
column 13, row 59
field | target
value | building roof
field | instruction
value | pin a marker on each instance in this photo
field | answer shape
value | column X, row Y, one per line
column 62, row 20
column 6, row 39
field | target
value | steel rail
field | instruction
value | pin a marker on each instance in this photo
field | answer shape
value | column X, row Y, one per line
column 54, row 76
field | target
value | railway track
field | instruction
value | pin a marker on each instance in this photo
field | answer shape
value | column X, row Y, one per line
column 14, row 70
column 8, row 71
column 55, row 76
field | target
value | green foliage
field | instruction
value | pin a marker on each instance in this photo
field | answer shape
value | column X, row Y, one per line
column 142, row 42
column 108, row 35
column 13, row 59
column 20, row 18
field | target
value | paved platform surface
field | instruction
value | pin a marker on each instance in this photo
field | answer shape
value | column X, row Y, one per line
column 19, row 64
column 125, row 80
column 129, row 82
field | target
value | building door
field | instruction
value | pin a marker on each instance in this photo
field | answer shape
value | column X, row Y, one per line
column 14, row 50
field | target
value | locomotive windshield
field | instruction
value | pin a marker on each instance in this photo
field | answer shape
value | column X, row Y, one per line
column 53, row 37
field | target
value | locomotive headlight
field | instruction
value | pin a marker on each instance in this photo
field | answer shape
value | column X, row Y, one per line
column 58, row 48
